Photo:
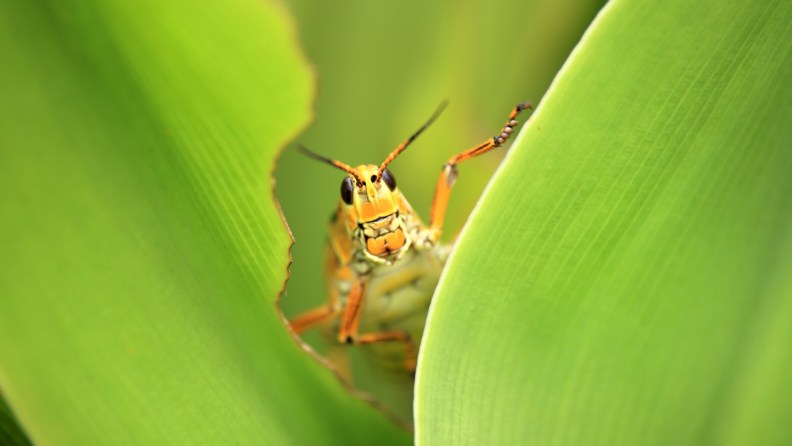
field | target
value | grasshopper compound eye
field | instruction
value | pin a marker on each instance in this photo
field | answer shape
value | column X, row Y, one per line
column 347, row 190
column 389, row 179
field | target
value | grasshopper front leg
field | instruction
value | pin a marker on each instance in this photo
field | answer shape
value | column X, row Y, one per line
column 312, row 318
column 449, row 174
column 351, row 316
column 348, row 332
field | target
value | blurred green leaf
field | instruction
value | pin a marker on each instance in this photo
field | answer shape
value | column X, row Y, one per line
column 10, row 432
column 627, row 276
column 142, row 252
column 384, row 68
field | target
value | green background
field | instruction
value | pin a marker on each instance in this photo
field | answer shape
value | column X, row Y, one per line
column 625, row 278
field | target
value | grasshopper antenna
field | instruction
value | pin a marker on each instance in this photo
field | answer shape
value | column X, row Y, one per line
column 404, row 145
column 334, row 163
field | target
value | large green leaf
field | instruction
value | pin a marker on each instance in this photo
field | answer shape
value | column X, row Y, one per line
column 141, row 252
column 627, row 276
column 385, row 66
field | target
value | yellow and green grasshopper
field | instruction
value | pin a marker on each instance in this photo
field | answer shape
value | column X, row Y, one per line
column 382, row 263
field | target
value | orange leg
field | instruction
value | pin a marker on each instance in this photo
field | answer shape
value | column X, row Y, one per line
column 312, row 318
column 449, row 174
column 349, row 320
column 393, row 335
column 350, row 315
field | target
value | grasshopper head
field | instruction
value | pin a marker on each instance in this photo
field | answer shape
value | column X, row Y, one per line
column 370, row 202
column 370, row 197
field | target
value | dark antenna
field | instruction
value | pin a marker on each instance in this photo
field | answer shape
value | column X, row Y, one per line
column 404, row 145
column 338, row 164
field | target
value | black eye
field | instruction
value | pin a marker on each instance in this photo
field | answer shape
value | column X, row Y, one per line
column 389, row 179
column 347, row 190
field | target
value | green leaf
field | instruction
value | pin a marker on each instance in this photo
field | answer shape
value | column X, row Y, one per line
column 627, row 276
column 142, row 252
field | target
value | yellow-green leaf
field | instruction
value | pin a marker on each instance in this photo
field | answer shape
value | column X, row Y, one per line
column 627, row 277
column 141, row 251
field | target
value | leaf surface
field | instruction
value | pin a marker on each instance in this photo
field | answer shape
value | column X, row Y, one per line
column 627, row 276
column 142, row 251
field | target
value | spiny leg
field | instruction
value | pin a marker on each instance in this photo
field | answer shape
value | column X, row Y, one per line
column 392, row 335
column 448, row 176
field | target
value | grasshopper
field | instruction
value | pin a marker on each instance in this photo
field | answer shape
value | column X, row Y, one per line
column 382, row 263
